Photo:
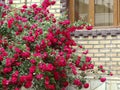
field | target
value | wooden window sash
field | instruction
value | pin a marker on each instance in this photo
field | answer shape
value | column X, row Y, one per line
column 71, row 9
column 91, row 16
column 116, row 12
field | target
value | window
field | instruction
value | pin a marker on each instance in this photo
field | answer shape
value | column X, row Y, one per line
column 96, row 12
column 19, row 3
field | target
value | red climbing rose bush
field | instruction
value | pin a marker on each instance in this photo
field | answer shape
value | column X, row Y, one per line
column 37, row 50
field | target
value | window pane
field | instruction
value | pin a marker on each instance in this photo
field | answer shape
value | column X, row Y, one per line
column 81, row 9
column 103, row 12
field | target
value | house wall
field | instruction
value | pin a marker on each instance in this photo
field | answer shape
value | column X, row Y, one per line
column 103, row 46
column 53, row 9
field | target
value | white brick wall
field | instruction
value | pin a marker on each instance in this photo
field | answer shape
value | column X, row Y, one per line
column 53, row 9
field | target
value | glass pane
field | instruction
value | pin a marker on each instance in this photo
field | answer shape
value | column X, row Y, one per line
column 103, row 12
column 81, row 9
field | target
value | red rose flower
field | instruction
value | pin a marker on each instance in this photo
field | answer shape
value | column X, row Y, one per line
column 50, row 86
column 34, row 5
column 8, row 62
column 14, row 80
column 28, row 84
column 24, row 6
column 39, row 76
column 100, row 66
column 1, row 58
column 32, row 69
column 85, row 52
column 77, row 82
column 103, row 70
column 10, row 22
column 25, row 54
column 47, row 80
column 102, row 79
column 88, row 59
column 33, row 61
column 7, row 70
column 90, row 66
column 77, row 63
column 15, row 74
column 86, row 85
column 5, row 82
column 89, row 27
column 110, row 73
column 65, row 84
column 10, row 1
column 52, row 2
column 56, row 75
column 17, row 88
column 22, row 79
column 29, row 77
column 1, row 4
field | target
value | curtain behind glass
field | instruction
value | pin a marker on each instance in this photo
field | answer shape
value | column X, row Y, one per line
column 81, row 10
column 103, row 12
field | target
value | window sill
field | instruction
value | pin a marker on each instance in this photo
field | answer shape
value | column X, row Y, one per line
column 97, row 31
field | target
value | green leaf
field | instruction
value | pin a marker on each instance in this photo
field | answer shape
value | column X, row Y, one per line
column 83, row 58
column 52, row 80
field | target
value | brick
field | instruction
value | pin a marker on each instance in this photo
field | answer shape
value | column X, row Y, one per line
column 118, row 63
column 99, row 63
column 118, row 36
column 111, row 45
column 55, row 6
column 117, row 72
column 52, row 11
column 73, row 38
column 116, row 68
column 109, row 37
column 17, row 1
column 99, row 37
column 106, row 67
column 93, row 50
column 93, row 42
column 58, row 2
column 57, row 10
column 104, row 59
column 83, row 42
column 110, row 54
column 118, row 46
column 105, row 50
column 115, row 59
column 91, row 55
column 90, row 38
column 95, row 59
column 116, row 41
column 111, row 63
column 99, row 46
column 118, row 54
column 88, row 46
column 115, row 50
column 105, row 42
column 57, row 15
column 99, row 55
